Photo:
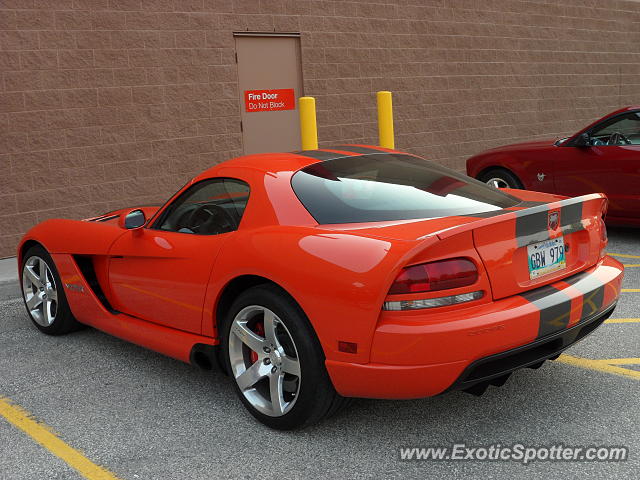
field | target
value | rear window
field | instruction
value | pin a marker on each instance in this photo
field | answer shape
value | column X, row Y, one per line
column 381, row 187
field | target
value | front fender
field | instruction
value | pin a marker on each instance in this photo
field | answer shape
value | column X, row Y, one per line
column 486, row 161
column 73, row 236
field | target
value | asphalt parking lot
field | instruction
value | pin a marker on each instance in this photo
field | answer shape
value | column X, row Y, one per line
column 138, row 414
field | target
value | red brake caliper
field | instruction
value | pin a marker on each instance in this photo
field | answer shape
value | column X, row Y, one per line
column 258, row 329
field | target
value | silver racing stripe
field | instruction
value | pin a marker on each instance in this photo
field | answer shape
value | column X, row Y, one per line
column 554, row 306
column 532, row 224
column 357, row 149
column 592, row 290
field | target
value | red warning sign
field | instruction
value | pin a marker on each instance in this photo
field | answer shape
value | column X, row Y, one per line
column 269, row 100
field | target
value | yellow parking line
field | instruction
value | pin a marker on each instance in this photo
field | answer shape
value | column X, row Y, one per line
column 44, row 436
column 623, row 320
column 630, row 290
column 623, row 255
column 631, row 265
column 622, row 361
column 599, row 365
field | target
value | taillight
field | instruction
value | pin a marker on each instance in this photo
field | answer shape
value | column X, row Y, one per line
column 440, row 275
column 603, row 216
column 604, row 239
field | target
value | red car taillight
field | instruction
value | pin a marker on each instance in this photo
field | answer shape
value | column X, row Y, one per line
column 440, row 275
column 603, row 216
column 603, row 229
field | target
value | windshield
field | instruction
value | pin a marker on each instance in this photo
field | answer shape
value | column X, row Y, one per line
column 619, row 130
column 382, row 187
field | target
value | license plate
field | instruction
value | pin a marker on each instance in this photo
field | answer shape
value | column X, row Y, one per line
column 546, row 257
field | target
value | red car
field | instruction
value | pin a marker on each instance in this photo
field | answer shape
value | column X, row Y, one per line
column 603, row 157
column 314, row 276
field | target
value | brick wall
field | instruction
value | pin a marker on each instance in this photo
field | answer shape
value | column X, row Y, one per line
column 109, row 103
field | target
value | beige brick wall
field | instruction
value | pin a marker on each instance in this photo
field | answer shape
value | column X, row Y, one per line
column 109, row 103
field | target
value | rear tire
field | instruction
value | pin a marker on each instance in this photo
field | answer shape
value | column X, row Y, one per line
column 43, row 294
column 269, row 346
column 500, row 178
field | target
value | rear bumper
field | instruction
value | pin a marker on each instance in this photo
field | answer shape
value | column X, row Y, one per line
column 495, row 369
column 422, row 354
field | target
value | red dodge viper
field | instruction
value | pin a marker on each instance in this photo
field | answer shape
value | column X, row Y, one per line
column 315, row 276
column 603, row 157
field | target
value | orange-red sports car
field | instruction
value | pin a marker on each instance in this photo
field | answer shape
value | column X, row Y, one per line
column 315, row 276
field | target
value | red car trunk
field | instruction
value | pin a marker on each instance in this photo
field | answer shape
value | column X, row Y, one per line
column 503, row 242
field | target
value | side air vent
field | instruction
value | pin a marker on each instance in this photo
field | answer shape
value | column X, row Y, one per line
column 85, row 264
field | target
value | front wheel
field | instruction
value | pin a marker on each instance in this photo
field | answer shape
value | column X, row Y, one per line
column 500, row 178
column 276, row 361
column 43, row 294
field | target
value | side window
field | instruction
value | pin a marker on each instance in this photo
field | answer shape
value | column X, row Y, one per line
column 209, row 207
column 621, row 130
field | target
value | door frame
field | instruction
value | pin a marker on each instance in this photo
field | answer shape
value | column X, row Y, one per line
column 258, row 33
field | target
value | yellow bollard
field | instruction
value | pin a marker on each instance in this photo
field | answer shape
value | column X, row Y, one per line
column 308, row 127
column 385, row 120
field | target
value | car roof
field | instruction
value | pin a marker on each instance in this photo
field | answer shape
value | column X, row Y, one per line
column 293, row 161
column 624, row 109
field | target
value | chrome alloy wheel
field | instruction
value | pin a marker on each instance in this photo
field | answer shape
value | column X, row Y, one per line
column 39, row 290
column 264, row 360
column 497, row 182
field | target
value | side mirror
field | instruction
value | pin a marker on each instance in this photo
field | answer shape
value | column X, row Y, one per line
column 583, row 140
column 132, row 219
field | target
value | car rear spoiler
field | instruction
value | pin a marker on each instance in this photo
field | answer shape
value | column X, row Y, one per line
column 532, row 222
